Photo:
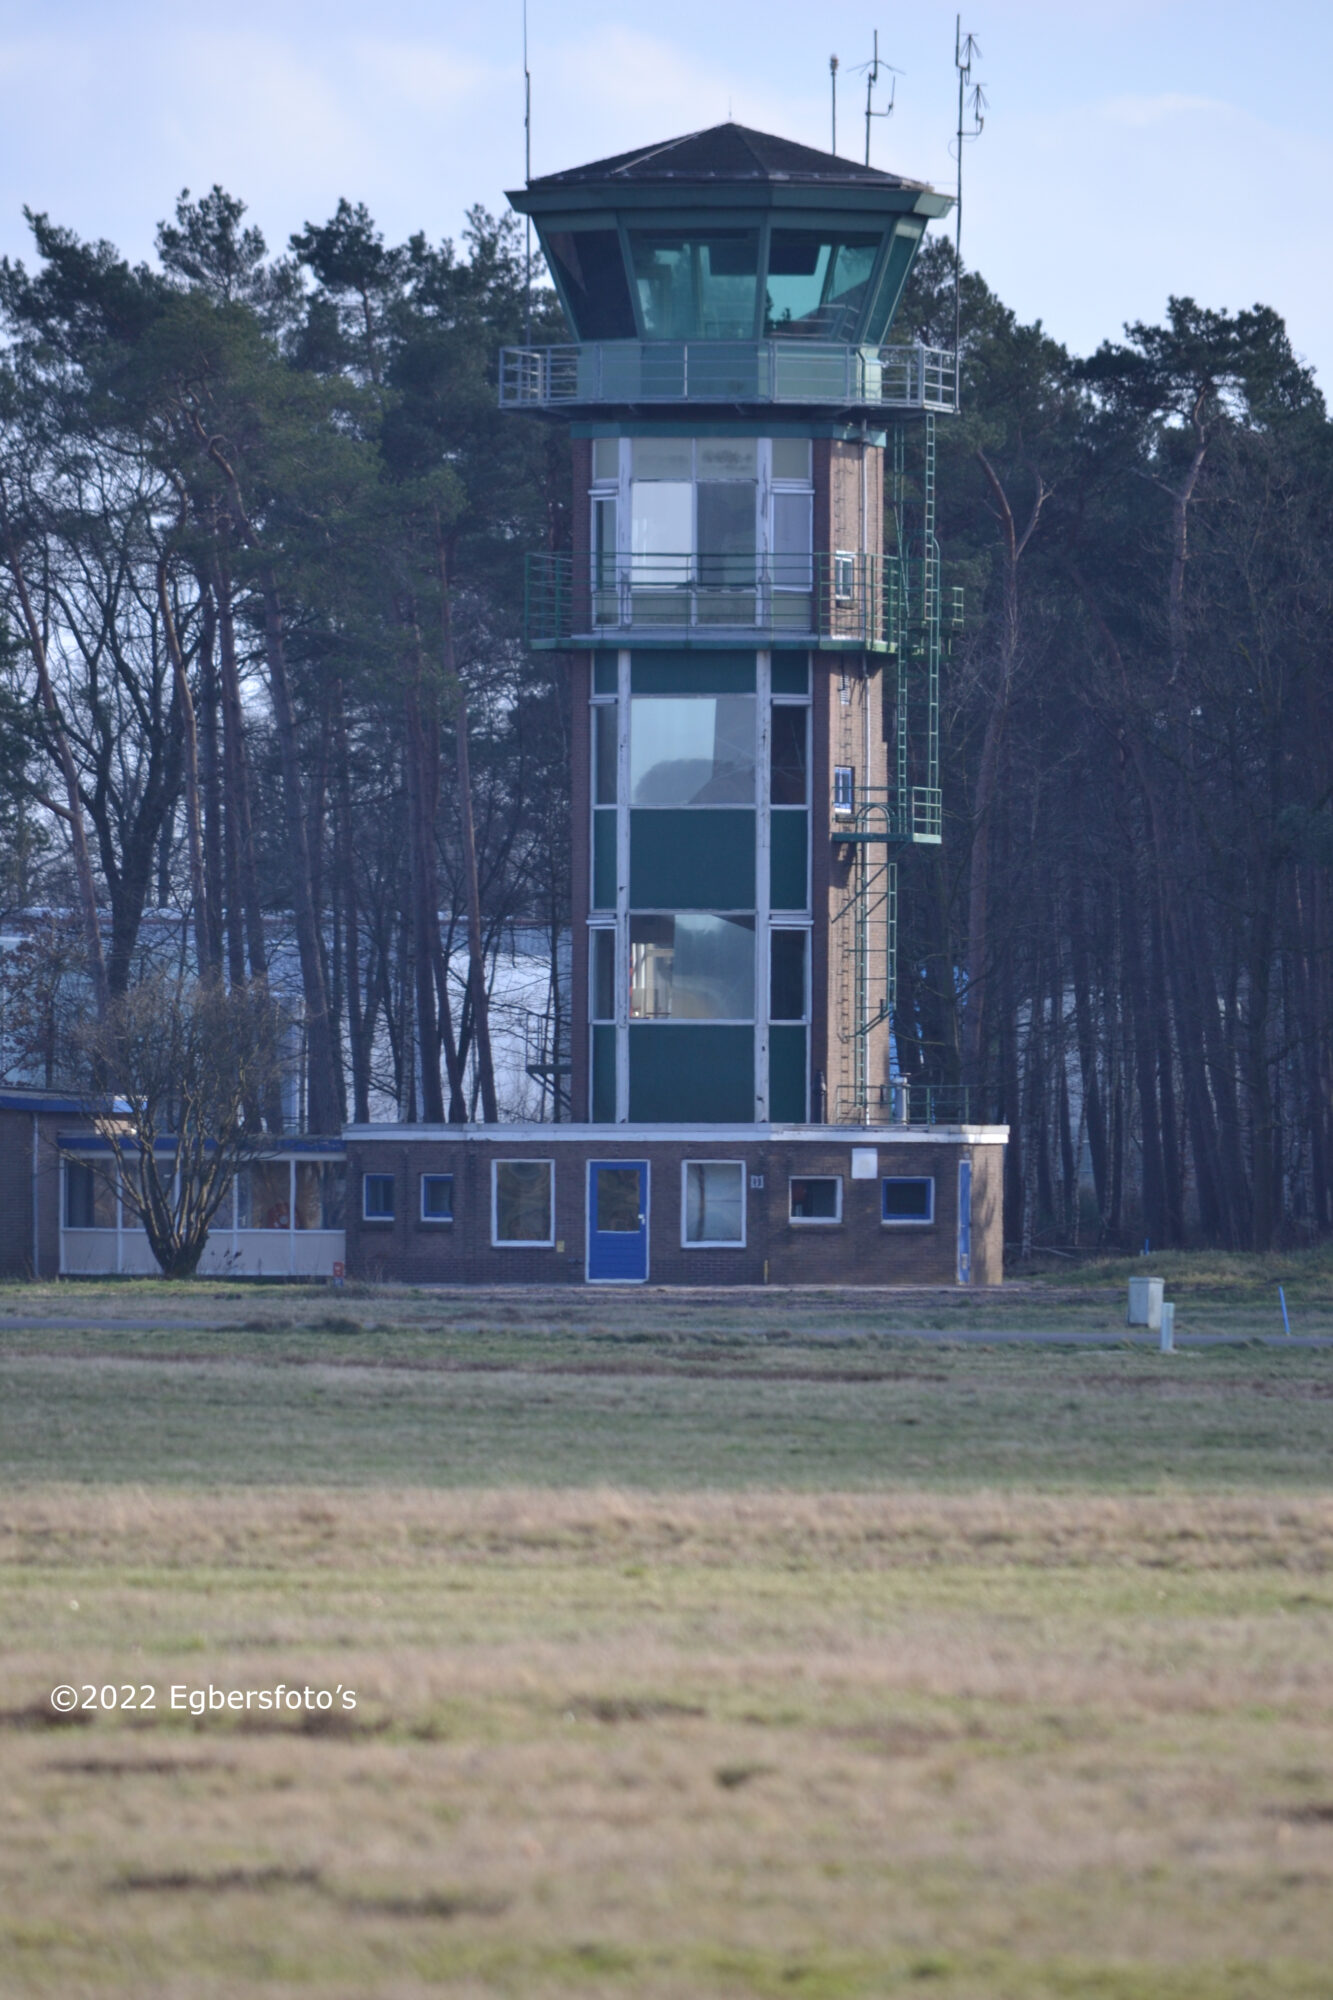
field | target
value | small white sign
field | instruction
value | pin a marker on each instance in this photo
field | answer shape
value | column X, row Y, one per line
column 865, row 1163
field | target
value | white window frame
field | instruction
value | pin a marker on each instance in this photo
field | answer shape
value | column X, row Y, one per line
column 499, row 1242
column 436, row 1221
column 907, row 1221
column 815, row 1221
column 714, row 1242
column 377, row 1174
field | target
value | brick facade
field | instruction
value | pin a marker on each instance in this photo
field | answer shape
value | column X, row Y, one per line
column 858, row 1249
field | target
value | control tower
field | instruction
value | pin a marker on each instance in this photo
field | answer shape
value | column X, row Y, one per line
column 752, row 603
column 750, row 610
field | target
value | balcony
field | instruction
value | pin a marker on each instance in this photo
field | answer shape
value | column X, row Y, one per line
column 826, row 601
column 805, row 373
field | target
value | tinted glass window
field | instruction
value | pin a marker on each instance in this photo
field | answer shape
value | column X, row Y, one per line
column 691, row 968
column 603, row 975
column 726, row 534
column 696, row 288
column 817, row 284
column 589, row 267
column 786, row 986
column 692, row 750
column 787, row 756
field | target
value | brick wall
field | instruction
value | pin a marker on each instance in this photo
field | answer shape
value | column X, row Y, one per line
column 860, row 1249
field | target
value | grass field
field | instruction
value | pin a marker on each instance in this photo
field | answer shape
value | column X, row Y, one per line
column 699, row 1647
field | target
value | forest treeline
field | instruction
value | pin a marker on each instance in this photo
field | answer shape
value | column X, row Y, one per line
column 262, row 529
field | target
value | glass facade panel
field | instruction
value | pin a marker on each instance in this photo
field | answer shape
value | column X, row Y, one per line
column 788, row 774
column 691, row 968
column 662, row 531
column 662, row 458
column 591, row 272
column 791, row 459
column 817, row 284
column 604, row 542
column 786, row 985
column 605, row 761
column 727, row 539
column 603, row 975
column 727, row 458
column 696, row 288
column 714, row 1201
column 697, row 750
column 523, row 1201
column 793, row 541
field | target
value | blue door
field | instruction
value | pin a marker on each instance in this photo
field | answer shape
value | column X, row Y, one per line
column 965, row 1222
column 618, row 1221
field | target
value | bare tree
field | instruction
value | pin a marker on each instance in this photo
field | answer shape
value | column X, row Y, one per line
column 187, row 1063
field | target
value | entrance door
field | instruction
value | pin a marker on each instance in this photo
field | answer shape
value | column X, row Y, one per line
column 618, row 1221
column 965, row 1222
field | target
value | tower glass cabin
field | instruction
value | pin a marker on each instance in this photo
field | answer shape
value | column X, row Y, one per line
column 752, row 609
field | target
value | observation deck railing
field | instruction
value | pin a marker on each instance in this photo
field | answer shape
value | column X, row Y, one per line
column 822, row 600
column 809, row 372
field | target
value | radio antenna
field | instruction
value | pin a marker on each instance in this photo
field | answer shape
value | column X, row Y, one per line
column 833, row 86
column 527, row 179
column 971, row 103
column 872, row 70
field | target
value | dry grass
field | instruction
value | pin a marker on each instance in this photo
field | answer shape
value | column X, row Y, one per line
column 989, row 1744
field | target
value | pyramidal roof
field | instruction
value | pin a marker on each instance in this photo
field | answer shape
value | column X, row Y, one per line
column 726, row 153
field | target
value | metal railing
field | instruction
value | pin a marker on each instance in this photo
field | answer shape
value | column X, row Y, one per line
column 882, row 816
column 819, row 600
column 827, row 373
column 902, row 1103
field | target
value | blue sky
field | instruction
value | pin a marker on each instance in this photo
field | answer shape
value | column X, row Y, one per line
column 1131, row 149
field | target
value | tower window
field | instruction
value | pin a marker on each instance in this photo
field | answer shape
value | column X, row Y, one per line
column 786, row 984
column 692, row 750
column 844, row 791
column 787, row 779
column 691, row 968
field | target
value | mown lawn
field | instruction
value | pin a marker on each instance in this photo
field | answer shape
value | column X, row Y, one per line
column 721, row 1658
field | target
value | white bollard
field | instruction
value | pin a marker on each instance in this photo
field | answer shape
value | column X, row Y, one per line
column 1167, row 1342
column 1145, row 1302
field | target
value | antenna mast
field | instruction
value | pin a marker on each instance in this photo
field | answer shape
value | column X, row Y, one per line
column 527, row 179
column 872, row 69
column 833, row 85
column 964, row 50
